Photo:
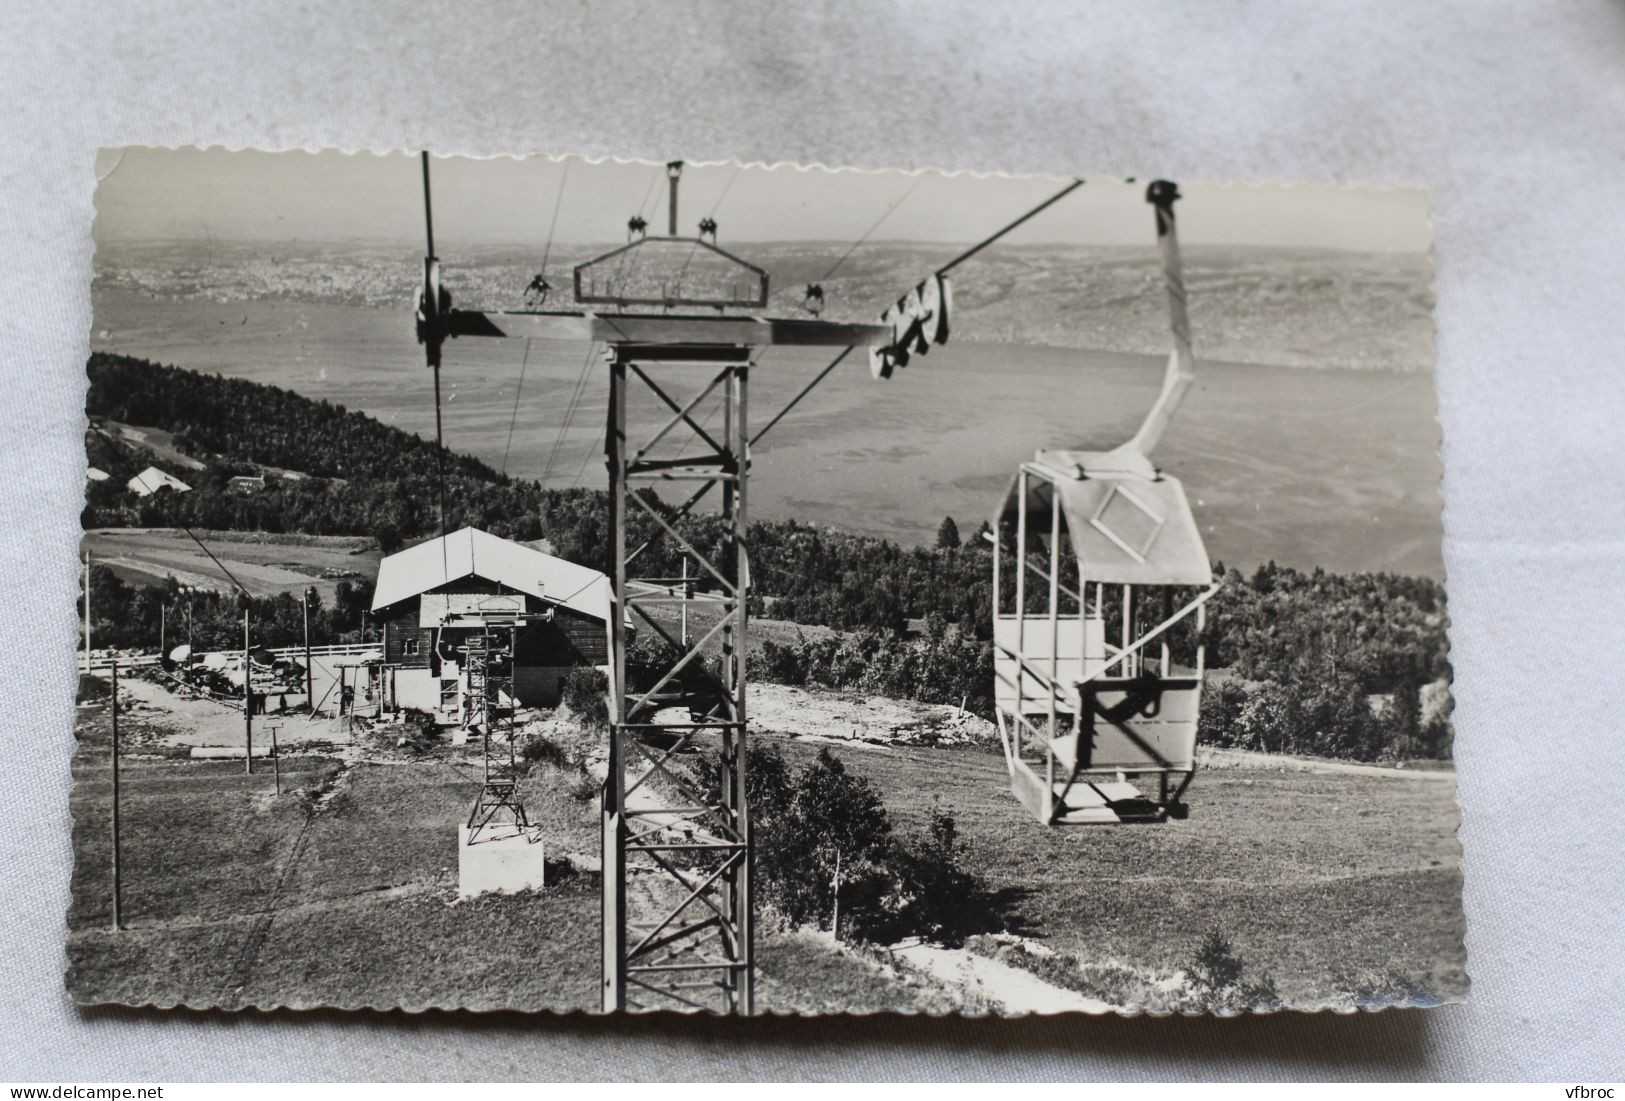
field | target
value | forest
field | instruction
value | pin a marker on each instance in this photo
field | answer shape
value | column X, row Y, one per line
column 1330, row 664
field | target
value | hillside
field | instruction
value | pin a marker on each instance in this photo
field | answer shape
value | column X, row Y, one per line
column 361, row 477
column 1312, row 646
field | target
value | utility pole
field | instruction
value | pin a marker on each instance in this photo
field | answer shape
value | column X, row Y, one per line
column 118, row 901
column 310, row 673
column 248, row 700
column 162, row 628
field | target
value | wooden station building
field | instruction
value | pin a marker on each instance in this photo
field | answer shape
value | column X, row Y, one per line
column 433, row 597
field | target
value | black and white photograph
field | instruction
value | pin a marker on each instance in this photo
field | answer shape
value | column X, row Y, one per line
column 550, row 583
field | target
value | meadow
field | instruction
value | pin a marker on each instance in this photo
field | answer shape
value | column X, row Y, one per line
column 265, row 564
column 342, row 891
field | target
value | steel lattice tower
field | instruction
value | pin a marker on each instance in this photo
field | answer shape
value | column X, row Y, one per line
column 678, row 919
column 489, row 659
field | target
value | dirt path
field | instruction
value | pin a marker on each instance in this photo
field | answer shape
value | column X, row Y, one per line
column 1247, row 758
column 859, row 720
column 199, row 721
column 1013, row 990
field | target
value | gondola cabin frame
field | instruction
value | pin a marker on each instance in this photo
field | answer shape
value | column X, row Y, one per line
column 1087, row 690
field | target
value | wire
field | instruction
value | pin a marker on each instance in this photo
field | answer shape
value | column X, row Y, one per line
column 516, row 392
column 716, row 206
column 428, row 210
column 868, row 232
column 439, row 457
column 631, row 253
column 588, row 457
column 547, row 251
column 944, row 270
column 805, row 390
column 558, row 201
column 569, row 413
column 433, row 309
column 158, row 499
column 1034, row 212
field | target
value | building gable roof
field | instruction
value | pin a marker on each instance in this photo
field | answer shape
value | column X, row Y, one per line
column 475, row 553
column 151, row 480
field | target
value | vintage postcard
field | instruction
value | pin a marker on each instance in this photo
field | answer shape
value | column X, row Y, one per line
column 540, row 583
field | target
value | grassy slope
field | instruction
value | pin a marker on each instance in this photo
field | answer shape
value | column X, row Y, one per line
column 234, row 897
column 1312, row 878
column 265, row 564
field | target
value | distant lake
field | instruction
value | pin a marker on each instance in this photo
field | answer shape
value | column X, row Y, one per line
column 1335, row 468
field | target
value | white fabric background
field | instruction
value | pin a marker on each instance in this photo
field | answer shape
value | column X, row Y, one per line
column 1510, row 114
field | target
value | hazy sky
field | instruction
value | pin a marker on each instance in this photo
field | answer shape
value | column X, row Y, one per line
column 151, row 193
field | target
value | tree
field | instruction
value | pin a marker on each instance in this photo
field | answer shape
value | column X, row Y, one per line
column 947, row 534
column 1267, row 720
column 1407, row 716
column 831, row 849
column 389, row 538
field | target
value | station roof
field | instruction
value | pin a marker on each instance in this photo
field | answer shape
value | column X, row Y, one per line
column 475, row 553
column 1129, row 524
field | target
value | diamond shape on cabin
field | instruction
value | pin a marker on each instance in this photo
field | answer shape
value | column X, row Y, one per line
column 1128, row 521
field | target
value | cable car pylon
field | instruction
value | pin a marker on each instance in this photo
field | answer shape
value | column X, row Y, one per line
column 678, row 908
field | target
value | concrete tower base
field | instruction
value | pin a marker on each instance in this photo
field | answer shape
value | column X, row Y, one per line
column 504, row 858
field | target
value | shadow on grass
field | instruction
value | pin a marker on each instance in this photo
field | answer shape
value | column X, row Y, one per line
column 979, row 910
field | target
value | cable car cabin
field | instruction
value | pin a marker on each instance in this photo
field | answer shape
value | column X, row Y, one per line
column 1098, row 658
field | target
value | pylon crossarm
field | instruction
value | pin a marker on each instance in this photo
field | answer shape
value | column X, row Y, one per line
column 669, row 727
column 713, row 466
column 683, row 543
column 664, row 597
column 694, row 965
column 682, row 412
column 680, row 474
column 671, row 818
column 697, row 965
